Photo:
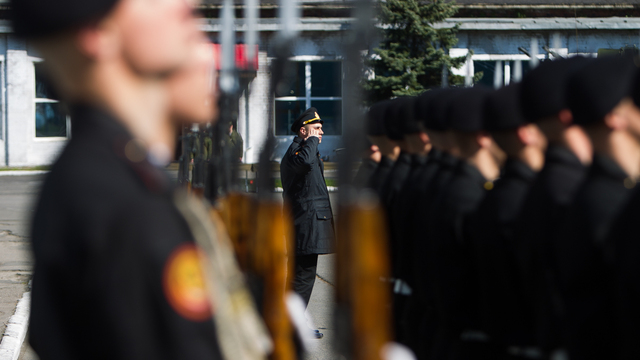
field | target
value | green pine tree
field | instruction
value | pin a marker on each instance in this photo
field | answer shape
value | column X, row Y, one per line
column 412, row 52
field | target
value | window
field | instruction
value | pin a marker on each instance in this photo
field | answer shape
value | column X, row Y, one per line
column 316, row 84
column 51, row 117
column 508, row 73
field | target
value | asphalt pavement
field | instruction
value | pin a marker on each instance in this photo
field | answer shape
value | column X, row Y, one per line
column 17, row 197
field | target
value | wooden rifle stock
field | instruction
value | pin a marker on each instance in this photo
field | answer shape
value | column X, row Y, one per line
column 362, row 264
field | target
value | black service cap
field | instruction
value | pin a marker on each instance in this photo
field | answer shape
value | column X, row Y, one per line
column 310, row 116
column 38, row 18
column 437, row 111
column 375, row 119
column 595, row 89
column 405, row 116
column 392, row 122
column 543, row 91
column 502, row 110
column 421, row 107
column 465, row 110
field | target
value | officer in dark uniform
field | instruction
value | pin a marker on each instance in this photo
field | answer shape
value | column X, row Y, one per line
column 389, row 149
column 302, row 173
column 543, row 97
column 450, row 267
column 503, row 314
column 622, row 255
column 117, row 273
column 599, row 96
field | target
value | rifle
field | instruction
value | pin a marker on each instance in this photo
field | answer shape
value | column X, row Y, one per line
column 257, row 226
column 363, row 318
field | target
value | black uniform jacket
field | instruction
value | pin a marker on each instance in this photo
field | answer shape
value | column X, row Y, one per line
column 503, row 313
column 541, row 218
column 365, row 171
column 625, row 247
column 451, row 269
column 380, row 175
column 583, row 260
column 302, row 174
column 110, row 252
column 396, row 179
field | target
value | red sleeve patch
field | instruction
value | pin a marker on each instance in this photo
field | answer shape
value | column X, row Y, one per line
column 184, row 284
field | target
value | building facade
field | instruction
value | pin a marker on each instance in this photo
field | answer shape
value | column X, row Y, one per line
column 499, row 34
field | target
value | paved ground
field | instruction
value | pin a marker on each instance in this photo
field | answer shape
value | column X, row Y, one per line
column 17, row 194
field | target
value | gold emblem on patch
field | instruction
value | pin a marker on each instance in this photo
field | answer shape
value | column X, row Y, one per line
column 184, row 285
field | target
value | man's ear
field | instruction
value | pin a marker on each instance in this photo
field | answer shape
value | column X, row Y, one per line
column 424, row 137
column 525, row 134
column 97, row 41
column 565, row 116
column 484, row 140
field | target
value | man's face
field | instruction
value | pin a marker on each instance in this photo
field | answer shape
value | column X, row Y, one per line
column 155, row 35
column 313, row 130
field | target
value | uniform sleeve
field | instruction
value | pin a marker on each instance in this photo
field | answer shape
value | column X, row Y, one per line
column 303, row 159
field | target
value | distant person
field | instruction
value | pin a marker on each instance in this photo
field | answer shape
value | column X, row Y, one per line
column 235, row 144
column 302, row 173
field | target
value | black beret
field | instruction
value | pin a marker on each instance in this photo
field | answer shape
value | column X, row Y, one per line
column 421, row 107
column 543, row 91
column 38, row 18
column 599, row 86
column 392, row 122
column 310, row 116
column 375, row 119
column 502, row 110
column 465, row 110
column 437, row 119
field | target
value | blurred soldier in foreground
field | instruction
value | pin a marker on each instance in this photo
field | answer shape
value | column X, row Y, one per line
column 371, row 157
column 599, row 96
column 302, row 173
column 503, row 314
column 117, row 272
column 451, row 268
column 544, row 101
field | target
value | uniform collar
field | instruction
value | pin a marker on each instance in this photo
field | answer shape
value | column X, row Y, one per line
column 561, row 155
column 603, row 165
column 518, row 169
column 418, row 160
column 467, row 170
column 297, row 139
column 106, row 130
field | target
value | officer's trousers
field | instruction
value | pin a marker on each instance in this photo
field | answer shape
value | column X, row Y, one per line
column 305, row 275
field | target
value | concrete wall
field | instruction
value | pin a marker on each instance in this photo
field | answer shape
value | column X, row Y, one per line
column 22, row 146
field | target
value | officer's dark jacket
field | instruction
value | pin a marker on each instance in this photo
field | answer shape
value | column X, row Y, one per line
column 104, row 230
column 584, row 260
column 302, row 174
column 542, row 215
column 503, row 313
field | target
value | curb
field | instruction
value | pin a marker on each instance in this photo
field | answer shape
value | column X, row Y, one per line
column 16, row 330
column 23, row 172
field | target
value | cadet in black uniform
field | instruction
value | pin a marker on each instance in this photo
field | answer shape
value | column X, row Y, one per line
column 623, row 254
column 450, row 268
column 503, row 314
column 389, row 149
column 394, row 116
column 544, row 102
column 599, row 97
column 117, row 273
column 302, row 173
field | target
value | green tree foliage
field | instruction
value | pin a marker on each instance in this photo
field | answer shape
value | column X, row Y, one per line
column 412, row 52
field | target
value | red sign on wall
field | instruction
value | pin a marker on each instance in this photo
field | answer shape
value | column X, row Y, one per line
column 242, row 62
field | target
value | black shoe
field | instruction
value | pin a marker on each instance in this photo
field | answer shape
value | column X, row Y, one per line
column 318, row 335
